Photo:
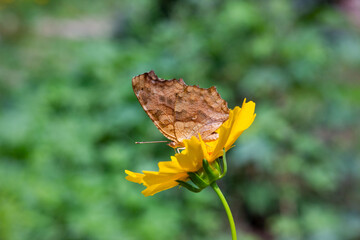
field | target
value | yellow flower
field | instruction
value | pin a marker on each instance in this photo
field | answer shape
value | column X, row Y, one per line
column 191, row 158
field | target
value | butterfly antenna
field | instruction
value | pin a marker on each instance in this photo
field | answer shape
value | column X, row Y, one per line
column 152, row 142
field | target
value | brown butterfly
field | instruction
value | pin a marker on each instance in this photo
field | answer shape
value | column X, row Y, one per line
column 180, row 111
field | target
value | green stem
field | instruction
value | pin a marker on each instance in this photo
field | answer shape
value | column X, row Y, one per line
column 227, row 209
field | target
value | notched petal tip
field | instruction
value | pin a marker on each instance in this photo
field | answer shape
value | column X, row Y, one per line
column 134, row 177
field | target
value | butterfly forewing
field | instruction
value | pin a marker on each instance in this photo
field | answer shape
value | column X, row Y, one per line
column 157, row 97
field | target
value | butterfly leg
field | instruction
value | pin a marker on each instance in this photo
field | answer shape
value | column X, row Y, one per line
column 178, row 150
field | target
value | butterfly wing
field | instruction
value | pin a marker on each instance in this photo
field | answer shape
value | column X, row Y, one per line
column 157, row 97
column 199, row 110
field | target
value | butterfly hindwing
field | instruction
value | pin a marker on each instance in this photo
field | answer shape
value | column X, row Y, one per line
column 199, row 111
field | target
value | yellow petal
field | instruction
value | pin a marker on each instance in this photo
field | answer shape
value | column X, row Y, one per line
column 153, row 178
column 172, row 166
column 157, row 182
column 191, row 158
column 206, row 148
column 243, row 118
column 151, row 190
column 134, row 177
column 239, row 120
column 224, row 132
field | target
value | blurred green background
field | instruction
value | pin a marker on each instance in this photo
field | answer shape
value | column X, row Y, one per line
column 69, row 117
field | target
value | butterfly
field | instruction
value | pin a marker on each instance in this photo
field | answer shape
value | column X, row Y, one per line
column 178, row 110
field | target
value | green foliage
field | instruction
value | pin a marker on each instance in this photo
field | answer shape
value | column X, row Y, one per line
column 69, row 119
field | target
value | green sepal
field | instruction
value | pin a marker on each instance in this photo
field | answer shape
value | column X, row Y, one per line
column 207, row 175
column 212, row 173
column 224, row 164
column 216, row 165
column 199, row 180
column 189, row 186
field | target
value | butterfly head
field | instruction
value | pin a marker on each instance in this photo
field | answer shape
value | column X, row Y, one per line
column 176, row 144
